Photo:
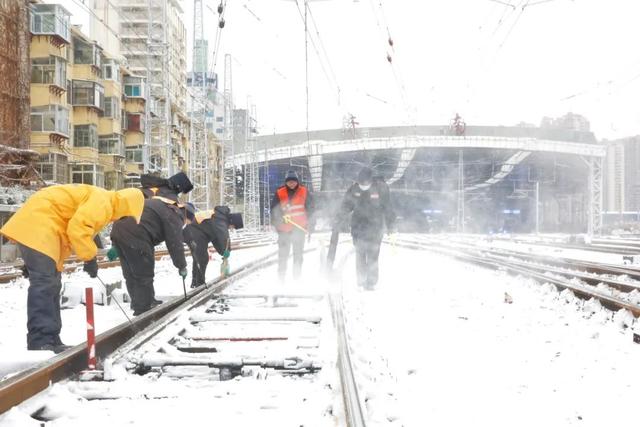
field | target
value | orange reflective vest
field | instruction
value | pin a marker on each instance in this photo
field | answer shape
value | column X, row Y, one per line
column 292, row 208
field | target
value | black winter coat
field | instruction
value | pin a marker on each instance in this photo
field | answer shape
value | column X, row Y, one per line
column 214, row 230
column 160, row 222
column 371, row 210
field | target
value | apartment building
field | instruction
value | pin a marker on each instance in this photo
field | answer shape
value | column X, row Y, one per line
column 86, row 105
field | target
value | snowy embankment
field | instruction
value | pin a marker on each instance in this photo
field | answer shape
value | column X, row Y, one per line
column 13, row 305
column 438, row 343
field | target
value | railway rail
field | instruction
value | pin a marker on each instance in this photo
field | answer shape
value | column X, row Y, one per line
column 226, row 339
column 616, row 287
column 9, row 272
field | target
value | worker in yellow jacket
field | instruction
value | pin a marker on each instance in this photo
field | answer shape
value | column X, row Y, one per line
column 50, row 225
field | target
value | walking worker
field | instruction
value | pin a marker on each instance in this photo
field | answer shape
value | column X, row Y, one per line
column 292, row 209
column 369, row 202
column 162, row 220
column 210, row 226
column 50, row 225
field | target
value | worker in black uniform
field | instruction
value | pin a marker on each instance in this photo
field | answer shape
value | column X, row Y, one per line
column 210, row 226
column 172, row 187
column 369, row 202
column 162, row 221
column 292, row 215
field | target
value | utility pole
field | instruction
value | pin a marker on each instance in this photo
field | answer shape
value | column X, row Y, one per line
column 460, row 219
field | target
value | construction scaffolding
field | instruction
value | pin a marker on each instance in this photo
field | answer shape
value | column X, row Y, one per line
column 15, row 74
column 16, row 161
column 251, row 199
column 199, row 145
column 228, row 184
column 153, row 40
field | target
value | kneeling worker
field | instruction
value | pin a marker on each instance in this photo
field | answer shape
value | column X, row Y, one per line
column 210, row 226
column 53, row 222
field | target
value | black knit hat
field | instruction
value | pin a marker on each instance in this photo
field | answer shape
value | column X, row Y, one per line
column 180, row 183
column 365, row 176
column 235, row 219
column 291, row 176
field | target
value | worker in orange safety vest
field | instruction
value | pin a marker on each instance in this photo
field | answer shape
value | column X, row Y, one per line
column 291, row 214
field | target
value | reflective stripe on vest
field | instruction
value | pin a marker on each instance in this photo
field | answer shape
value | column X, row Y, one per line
column 202, row 215
column 164, row 199
column 294, row 207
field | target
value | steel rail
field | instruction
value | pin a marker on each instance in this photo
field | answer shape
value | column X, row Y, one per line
column 72, row 264
column 505, row 264
column 351, row 399
column 73, row 361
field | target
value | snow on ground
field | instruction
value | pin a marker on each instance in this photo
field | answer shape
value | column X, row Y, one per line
column 13, row 305
column 436, row 344
column 311, row 400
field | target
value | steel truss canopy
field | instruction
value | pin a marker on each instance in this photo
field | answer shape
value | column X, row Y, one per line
column 322, row 147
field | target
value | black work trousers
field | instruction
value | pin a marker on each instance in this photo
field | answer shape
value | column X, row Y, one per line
column 43, row 299
column 200, row 257
column 295, row 239
column 367, row 252
column 138, row 271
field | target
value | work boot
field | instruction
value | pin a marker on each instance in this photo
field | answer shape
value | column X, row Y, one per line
column 56, row 348
column 140, row 311
column 156, row 302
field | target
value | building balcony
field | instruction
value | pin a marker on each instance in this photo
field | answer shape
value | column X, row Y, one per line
column 51, row 20
column 134, row 87
column 87, row 94
column 52, row 71
column 53, row 119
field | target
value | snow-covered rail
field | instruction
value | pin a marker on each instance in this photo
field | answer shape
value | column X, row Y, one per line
column 616, row 287
column 9, row 272
column 255, row 354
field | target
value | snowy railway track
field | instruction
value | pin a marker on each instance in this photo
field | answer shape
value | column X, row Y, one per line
column 73, row 263
column 585, row 279
column 285, row 355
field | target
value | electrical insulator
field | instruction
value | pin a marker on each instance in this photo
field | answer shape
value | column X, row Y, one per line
column 220, row 8
column 390, row 42
column 389, row 58
column 221, row 23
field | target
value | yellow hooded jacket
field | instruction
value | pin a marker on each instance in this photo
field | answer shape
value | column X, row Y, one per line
column 56, row 219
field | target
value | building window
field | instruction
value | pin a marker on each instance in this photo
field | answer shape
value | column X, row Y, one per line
column 110, row 70
column 134, row 86
column 86, row 53
column 87, row 174
column 219, row 119
column 135, row 122
column 50, row 19
column 111, row 108
column 85, row 136
column 110, row 144
column 133, row 154
column 87, row 93
column 51, row 70
column 50, row 118
column 53, row 167
column 219, row 130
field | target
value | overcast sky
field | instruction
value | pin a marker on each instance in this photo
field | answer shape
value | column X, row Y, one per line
column 493, row 64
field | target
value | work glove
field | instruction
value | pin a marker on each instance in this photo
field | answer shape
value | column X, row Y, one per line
column 91, row 267
column 25, row 272
column 112, row 253
column 226, row 253
column 182, row 272
column 225, row 268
